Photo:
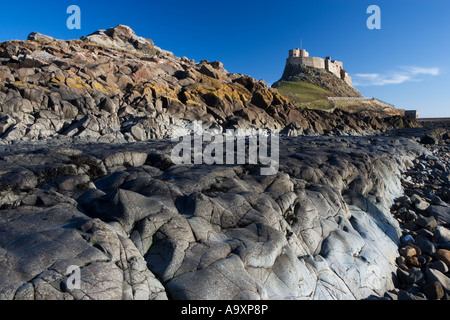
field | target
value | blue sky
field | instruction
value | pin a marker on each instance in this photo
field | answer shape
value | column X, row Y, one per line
column 405, row 63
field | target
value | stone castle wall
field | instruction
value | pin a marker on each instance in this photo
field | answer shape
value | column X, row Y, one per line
column 333, row 68
column 314, row 62
column 299, row 57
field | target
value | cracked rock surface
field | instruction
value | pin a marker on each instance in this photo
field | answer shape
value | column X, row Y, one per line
column 139, row 227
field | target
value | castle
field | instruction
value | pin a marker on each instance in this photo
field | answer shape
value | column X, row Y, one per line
column 302, row 58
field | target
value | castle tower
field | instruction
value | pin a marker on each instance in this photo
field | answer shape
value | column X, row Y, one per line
column 297, row 53
column 300, row 58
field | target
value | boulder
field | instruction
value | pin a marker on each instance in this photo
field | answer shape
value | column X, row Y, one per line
column 109, row 105
column 5, row 123
column 36, row 36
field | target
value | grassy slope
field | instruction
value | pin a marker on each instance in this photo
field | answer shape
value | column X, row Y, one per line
column 307, row 95
column 304, row 94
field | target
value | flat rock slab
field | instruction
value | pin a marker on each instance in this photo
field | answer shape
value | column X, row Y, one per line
column 139, row 227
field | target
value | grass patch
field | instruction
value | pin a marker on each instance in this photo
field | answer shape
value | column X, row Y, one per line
column 306, row 95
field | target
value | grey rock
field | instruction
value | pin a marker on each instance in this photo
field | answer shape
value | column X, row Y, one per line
column 402, row 276
column 440, row 213
column 36, row 36
column 442, row 236
column 6, row 123
column 429, row 223
column 232, row 234
column 138, row 133
column 124, row 206
column 435, row 275
column 416, row 277
column 406, row 296
column 434, row 290
column 439, row 265
column 426, row 246
column 109, row 105
column 419, row 203
column 428, row 139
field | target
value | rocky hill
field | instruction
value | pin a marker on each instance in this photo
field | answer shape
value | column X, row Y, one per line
column 113, row 85
column 318, row 77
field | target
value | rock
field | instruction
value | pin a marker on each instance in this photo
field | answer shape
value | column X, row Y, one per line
column 119, row 160
column 439, row 265
column 419, row 203
column 401, row 260
column 411, row 215
column 109, row 106
column 444, row 256
column 412, row 261
column 428, row 139
column 436, row 200
column 440, row 166
column 416, row 276
column 405, row 200
column 434, row 290
column 124, row 206
column 435, row 275
column 442, row 236
column 229, row 223
column 424, row 233
column 426, row 246
column 420, row 166
column 429, row 223
column 59, row 245
column 405, row 296
column 417, row 248
column 6, row 123
column 392, row 295
column 122, row 37
column 440, row 213
column 36, row 36
column 209, row 71
column 407, row 238
column 138, row 133
column 407, row 251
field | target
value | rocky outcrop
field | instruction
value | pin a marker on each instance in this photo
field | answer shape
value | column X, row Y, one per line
column 320, row 78
column 113, row 85
column 139, row 227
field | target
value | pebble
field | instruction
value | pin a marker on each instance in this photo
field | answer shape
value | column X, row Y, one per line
column 412, row 261
column 426, row 246
column 429, row 223
column 444, row 256
column 407, row 251
column 439, row 266
column 407, row 238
